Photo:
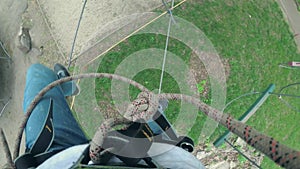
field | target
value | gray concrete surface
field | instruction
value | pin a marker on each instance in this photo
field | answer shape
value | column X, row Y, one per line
column 292, row 15
column 11, row 17
column 52, row 26
column 62, row 17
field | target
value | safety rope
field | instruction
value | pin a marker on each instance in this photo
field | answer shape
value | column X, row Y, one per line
column 279, row 153
column 166, row 45
column 122, row 40
column 75, row 36
column 58, row 82
column 131, row 34
column 144, row 107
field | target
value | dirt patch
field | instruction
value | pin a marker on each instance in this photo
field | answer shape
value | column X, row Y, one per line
column 199, row 73
column 226, row 157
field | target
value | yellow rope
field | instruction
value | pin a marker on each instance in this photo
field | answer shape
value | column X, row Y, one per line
column 73, row 99
column 122, row 40
column 137, row 30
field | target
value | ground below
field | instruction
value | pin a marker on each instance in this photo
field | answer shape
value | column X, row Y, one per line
column 51, row 27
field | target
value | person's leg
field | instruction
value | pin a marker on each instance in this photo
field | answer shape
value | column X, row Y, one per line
column 69, row 88
column 66, row 130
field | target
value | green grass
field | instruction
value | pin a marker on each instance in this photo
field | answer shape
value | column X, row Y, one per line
column 254, row 37
column 257, row 46
column 298, row 4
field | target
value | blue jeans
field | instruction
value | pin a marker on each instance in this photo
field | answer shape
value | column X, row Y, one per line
column 67, row 132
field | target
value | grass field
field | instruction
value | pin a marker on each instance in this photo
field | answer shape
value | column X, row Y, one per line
column 298, row 4
column 254, row 38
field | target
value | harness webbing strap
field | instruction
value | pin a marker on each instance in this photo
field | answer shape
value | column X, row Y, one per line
column 46, row 136
column 38, row 153
column 29, row 160
column 165, row 125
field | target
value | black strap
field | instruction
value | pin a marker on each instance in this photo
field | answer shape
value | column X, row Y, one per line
column 38, row 153
column 29, row 160
column 135, row 147
column 182, row 141
column 86, row 156
column 165, row 125
column 149, row 161
column 46, row 136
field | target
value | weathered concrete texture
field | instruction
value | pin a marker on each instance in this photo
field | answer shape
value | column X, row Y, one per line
column 291, row 13
column 10, row 12
column 11, row 17
column 63, row 17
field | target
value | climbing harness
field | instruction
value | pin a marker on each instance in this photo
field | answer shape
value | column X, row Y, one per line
column 38, row 153
column 140, row 110
column 279, row 153
column 145, row 108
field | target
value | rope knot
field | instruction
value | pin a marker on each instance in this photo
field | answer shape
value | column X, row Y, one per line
column 142, row 108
